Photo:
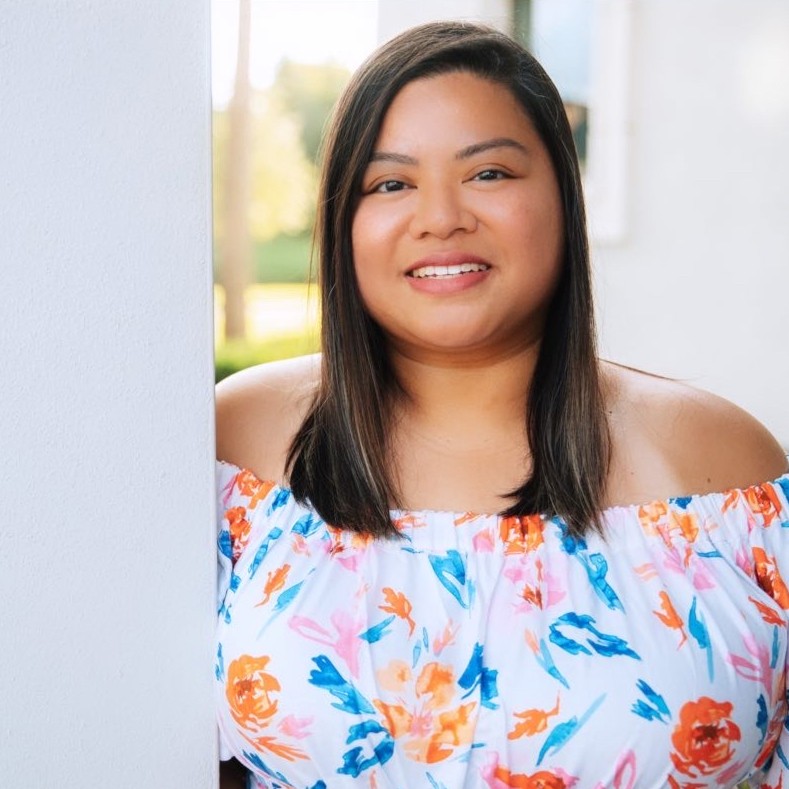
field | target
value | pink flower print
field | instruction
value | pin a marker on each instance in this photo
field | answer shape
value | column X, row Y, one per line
column 539, row 589
column 483, row 541
column 446, row 638
column 626, row 771
column 744, row 560
column 346, row 643
column 756, row 669
column 291, row 726
column 688, row 563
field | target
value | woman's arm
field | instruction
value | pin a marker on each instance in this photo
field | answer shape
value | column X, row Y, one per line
column 232, row 775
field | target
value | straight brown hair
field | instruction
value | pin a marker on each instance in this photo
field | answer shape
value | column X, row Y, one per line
column 340, row 460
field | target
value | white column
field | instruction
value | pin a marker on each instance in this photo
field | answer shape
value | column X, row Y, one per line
column 106, row 561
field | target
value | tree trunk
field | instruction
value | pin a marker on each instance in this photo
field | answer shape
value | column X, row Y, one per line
column 236, row 248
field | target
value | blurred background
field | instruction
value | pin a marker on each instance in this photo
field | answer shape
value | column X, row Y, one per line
column 681, row 121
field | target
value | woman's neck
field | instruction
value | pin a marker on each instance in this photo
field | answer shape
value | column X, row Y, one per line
column 459, row 433
column 475, row 401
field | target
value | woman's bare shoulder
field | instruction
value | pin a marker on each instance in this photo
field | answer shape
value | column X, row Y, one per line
column 259, row 410
column 671, row 439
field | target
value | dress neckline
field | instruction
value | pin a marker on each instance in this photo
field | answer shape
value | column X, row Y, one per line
column 614, row 512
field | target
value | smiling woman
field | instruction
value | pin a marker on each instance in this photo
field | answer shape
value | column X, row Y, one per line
column 458, row 237
column 442, row 538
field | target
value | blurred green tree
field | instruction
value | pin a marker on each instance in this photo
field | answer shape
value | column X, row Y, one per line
column 264, row 186
column 266, row 145
column 310, row 91
column 282, row 178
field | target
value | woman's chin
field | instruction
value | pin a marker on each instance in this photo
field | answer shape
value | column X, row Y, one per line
column 453, row 345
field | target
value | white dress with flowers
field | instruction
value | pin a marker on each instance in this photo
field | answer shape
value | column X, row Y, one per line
column 490, row 652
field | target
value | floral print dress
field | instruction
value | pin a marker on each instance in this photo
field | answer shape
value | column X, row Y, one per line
column 486, row 652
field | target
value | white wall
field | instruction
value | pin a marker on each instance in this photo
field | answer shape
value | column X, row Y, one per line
column 106, row 537
column 699, row 286
column 394, row 16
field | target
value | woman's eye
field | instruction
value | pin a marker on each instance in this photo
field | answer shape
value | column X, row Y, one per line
column 490, row 175
column 390, row 185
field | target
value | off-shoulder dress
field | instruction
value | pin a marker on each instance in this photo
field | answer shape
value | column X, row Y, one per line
column 486, row 652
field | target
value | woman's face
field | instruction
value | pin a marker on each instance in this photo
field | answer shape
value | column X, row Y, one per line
column 458, row 236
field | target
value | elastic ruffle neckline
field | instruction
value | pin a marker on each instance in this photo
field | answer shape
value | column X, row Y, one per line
column 658, row 518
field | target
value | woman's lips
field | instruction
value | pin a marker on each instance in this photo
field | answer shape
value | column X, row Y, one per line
column 447, row 264
column 447, row 272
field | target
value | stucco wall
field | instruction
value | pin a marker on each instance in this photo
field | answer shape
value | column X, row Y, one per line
column 106, row 560
column 698, row 288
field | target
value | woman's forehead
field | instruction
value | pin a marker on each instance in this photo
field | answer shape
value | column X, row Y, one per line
column 456, row 109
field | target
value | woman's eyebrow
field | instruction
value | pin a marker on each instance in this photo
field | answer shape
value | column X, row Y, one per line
column 463, row 153
column 396, row 158
column 487, row 145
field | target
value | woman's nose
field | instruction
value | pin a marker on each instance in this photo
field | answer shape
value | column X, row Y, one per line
column 441, row 211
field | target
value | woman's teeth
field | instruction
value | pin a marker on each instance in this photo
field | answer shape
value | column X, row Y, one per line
column 448, row 271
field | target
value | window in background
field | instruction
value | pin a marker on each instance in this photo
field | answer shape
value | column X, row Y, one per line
column 585, row 47
column 559, row 34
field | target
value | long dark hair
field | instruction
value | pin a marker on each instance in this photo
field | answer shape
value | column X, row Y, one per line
column 340, row 459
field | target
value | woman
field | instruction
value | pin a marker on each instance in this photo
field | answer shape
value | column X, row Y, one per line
column 621, row 637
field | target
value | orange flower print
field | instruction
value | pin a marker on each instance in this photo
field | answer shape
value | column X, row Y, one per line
column 521, row 534
column 769, row 614
column 658, row 518
column 670, row 618
column 431, row 726
column 465, row 518
column 703, row 737
column 238, row 526
column 399, row 605
column 769, row 577
column 249, row 485
column 532, row 721
column 539, row 780
column 347, row 547
column 760, row 499
column 275, row 580
column 250, row 692
column 436, row 685
column 454, row 728
column 686, row 524
column 763, row 501
column 650, row 515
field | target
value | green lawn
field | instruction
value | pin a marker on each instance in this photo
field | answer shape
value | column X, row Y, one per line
column 232, row 357
column 282, row 259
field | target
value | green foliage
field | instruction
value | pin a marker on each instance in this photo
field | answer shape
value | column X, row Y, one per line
column 283, row 184
column 233, row 356
column 310, row 91
column 280, row 259
column 283, row 259
column 287, row 123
